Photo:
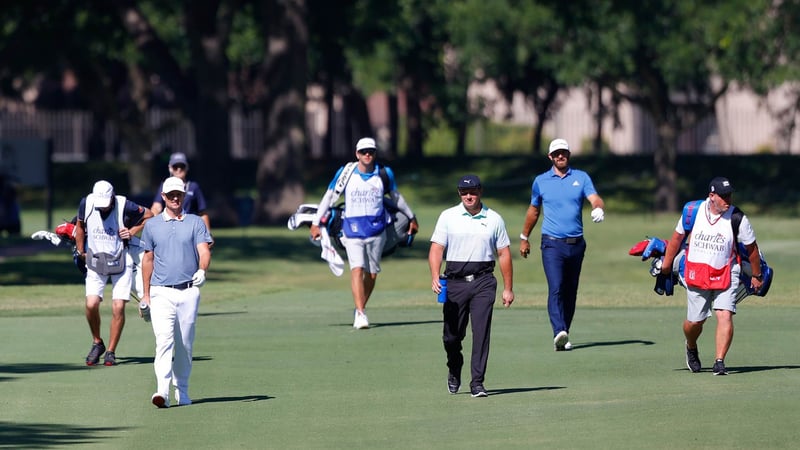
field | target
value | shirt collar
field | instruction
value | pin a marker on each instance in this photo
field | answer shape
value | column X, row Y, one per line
column 167, row 218
column 554, row 174
column 481, row 214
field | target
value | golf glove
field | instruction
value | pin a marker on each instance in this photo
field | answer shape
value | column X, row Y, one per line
column 199, row 278
column 598, row 215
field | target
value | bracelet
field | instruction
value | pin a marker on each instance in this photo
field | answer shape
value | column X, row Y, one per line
column 523, row 237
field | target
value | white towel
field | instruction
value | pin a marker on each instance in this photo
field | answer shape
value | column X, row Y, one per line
column 50, row 236
column 330, row 254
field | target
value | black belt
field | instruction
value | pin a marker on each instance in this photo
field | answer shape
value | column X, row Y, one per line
column 568, row 240
column 180, row 286
column 470, row 278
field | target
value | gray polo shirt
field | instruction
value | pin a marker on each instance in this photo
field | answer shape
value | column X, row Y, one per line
column 174, row 246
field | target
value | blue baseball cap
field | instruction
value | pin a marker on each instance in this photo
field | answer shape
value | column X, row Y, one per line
column 469, row 181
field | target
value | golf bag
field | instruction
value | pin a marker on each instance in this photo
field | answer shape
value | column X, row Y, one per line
column 654, row 248
column 396, row 230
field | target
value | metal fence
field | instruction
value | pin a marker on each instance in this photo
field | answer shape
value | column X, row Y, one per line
column 75, row 134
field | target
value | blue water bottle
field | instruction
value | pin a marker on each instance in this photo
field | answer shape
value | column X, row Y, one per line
column 443, row 293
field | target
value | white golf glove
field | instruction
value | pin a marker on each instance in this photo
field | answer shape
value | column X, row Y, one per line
column 598, row 215
column 199, row 278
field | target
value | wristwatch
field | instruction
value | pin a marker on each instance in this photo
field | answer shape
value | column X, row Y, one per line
column 759, row 276
column 523, row 237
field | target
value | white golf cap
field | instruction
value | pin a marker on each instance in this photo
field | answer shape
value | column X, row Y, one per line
column 173, row 184
column 558, row 144
column 103, row 192
column 365, row 143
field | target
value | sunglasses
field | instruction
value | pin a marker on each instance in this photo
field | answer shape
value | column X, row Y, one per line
column 179, row 167
column 473, row 192
column 367, row 152
column 174, row 195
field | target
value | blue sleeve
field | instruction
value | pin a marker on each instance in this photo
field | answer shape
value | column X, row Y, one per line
column 201, row 233
column 588, row 186
column 392, row 182
column 157, row 198
column 132, row 214
column 332, row 184
column 147, row 238
column 199, row 198
column 536, row 193
column 81, row 210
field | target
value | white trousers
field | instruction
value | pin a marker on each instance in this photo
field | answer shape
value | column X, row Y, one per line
column 173, row 314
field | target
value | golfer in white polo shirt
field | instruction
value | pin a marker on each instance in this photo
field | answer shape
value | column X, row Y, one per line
column 471, row 235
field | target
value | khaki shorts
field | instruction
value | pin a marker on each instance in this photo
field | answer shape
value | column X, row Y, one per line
column 122, row 282
column 701, row 301
column 365, row 252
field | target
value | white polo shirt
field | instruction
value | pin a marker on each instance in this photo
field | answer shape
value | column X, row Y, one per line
column 469, row 238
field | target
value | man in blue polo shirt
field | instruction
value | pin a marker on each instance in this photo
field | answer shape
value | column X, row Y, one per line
column 560, row 192
column 472, row 235
column 176, row 258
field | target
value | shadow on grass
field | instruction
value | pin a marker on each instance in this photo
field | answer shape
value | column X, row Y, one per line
column 521, row 390
column 45, row 435
column 611, row 343
column 220, row 313
column 27, row 368
column 746, row 369
column 402, row 324
column 389, row 324
column 149, row 359
column 243, row 399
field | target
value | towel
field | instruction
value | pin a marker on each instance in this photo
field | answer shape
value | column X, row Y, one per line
column 330, row 254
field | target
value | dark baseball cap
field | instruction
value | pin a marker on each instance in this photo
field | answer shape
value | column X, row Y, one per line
column 720, row 186
column 469, row 181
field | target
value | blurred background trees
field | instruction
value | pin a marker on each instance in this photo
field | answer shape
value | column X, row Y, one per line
column 210, row 62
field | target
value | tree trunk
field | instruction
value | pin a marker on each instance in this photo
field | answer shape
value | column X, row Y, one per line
column 394, row 124
column 600, row 114
column 542, row 109
column 279, row 176
column 208, row 30
column 414, row 129
column 666, row 195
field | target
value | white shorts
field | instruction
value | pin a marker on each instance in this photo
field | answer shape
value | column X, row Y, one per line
column 701, row 301
column 122, row 283
column 365, row 252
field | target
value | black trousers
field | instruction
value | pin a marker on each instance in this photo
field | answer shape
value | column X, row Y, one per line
column 465, row 299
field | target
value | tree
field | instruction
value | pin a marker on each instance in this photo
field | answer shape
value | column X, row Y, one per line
column 283, row 72
column 521, row 46
column 765, row 56
column 201, row 88
column 664, row 59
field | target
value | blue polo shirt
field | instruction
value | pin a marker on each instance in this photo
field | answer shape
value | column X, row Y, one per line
column 561, row 201
column 174, row 246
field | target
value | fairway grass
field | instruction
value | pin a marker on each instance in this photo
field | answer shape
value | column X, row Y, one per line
column 282, row 372
column 278, row 365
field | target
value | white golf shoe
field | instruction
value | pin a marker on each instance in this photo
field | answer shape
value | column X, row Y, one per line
column 360, row 321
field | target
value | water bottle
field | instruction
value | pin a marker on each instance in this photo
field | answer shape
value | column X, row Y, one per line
column 443, row 293
column 145, row 310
